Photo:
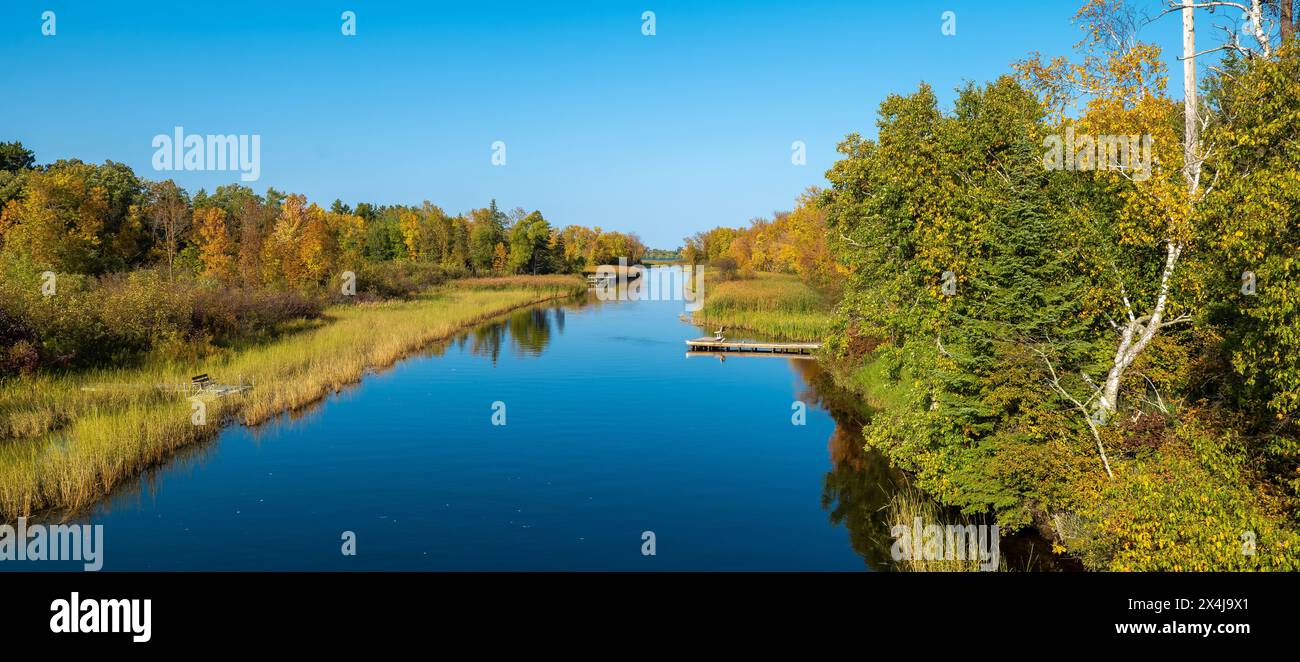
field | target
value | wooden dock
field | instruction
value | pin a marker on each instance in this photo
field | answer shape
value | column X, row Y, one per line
column 713, row 346
column 722, row 356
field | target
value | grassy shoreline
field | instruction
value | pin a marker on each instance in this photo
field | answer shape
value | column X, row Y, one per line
column 63, row 447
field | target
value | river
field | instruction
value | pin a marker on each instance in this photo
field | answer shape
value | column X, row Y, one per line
column 609, row 432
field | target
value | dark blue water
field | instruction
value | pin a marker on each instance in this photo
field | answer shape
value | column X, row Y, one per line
column 610, row 432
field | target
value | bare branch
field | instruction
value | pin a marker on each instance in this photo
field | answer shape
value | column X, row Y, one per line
column 1055, row 381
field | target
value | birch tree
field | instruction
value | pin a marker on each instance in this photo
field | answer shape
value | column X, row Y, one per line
column 1249, row 27
column 1120, row 85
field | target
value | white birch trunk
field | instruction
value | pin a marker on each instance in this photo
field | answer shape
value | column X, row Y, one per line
column 1137, row 332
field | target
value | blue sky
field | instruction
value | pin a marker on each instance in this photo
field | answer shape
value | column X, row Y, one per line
column 662, row 135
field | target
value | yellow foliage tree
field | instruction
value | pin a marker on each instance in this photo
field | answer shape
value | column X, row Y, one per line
column 500, row 257
column 350, row 231
column 317, row 249
column 414, row 234
column 281, row 257
column 59, row 221
column 1127, row 137
column 216, row 250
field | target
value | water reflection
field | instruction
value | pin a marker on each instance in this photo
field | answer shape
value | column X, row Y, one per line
column 861, row 483
column 528, row 332
column 857, row 490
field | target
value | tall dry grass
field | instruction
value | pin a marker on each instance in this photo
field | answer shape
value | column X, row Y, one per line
column 908, row 505
column 63, row 446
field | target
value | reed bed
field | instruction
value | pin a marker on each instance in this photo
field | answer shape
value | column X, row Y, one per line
column 774, row 304
column 910, row 504
column 67, row 440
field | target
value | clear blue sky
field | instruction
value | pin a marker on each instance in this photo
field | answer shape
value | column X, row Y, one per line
column 662, row 135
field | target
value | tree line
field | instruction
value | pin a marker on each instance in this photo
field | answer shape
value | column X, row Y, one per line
column 78, row 218
column 100, row 266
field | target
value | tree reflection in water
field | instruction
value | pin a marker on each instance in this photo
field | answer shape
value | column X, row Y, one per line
column 528, row 330
column 857, row 490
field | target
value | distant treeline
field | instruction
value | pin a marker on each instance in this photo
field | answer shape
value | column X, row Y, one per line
column 791, row 242
column 663, row 254
column 74, row 217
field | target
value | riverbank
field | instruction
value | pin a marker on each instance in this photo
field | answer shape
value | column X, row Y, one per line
column 771, row 304
column 1179, row 500
column 785, row 308
column 73, row 437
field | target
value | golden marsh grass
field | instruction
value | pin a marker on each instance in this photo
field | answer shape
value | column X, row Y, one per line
column 773, row 304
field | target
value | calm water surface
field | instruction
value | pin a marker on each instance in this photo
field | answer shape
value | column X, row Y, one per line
column 610, row 431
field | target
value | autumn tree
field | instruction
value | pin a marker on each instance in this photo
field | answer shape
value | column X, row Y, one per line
column 349, row 232
column 579, row 245
column 1137, row 241
column 59, row 223
column 97, row 207
column 318, row 248
column 216, row 250
column 413, row 234
column 500, row 258
column 282, row 255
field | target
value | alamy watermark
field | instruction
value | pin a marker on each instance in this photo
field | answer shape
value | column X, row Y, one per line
column 194, row 152
column 53, row 542
column 1084, row 152
column 103, row 615
column 638, row 283
column 952, row 542
column 948, row 26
